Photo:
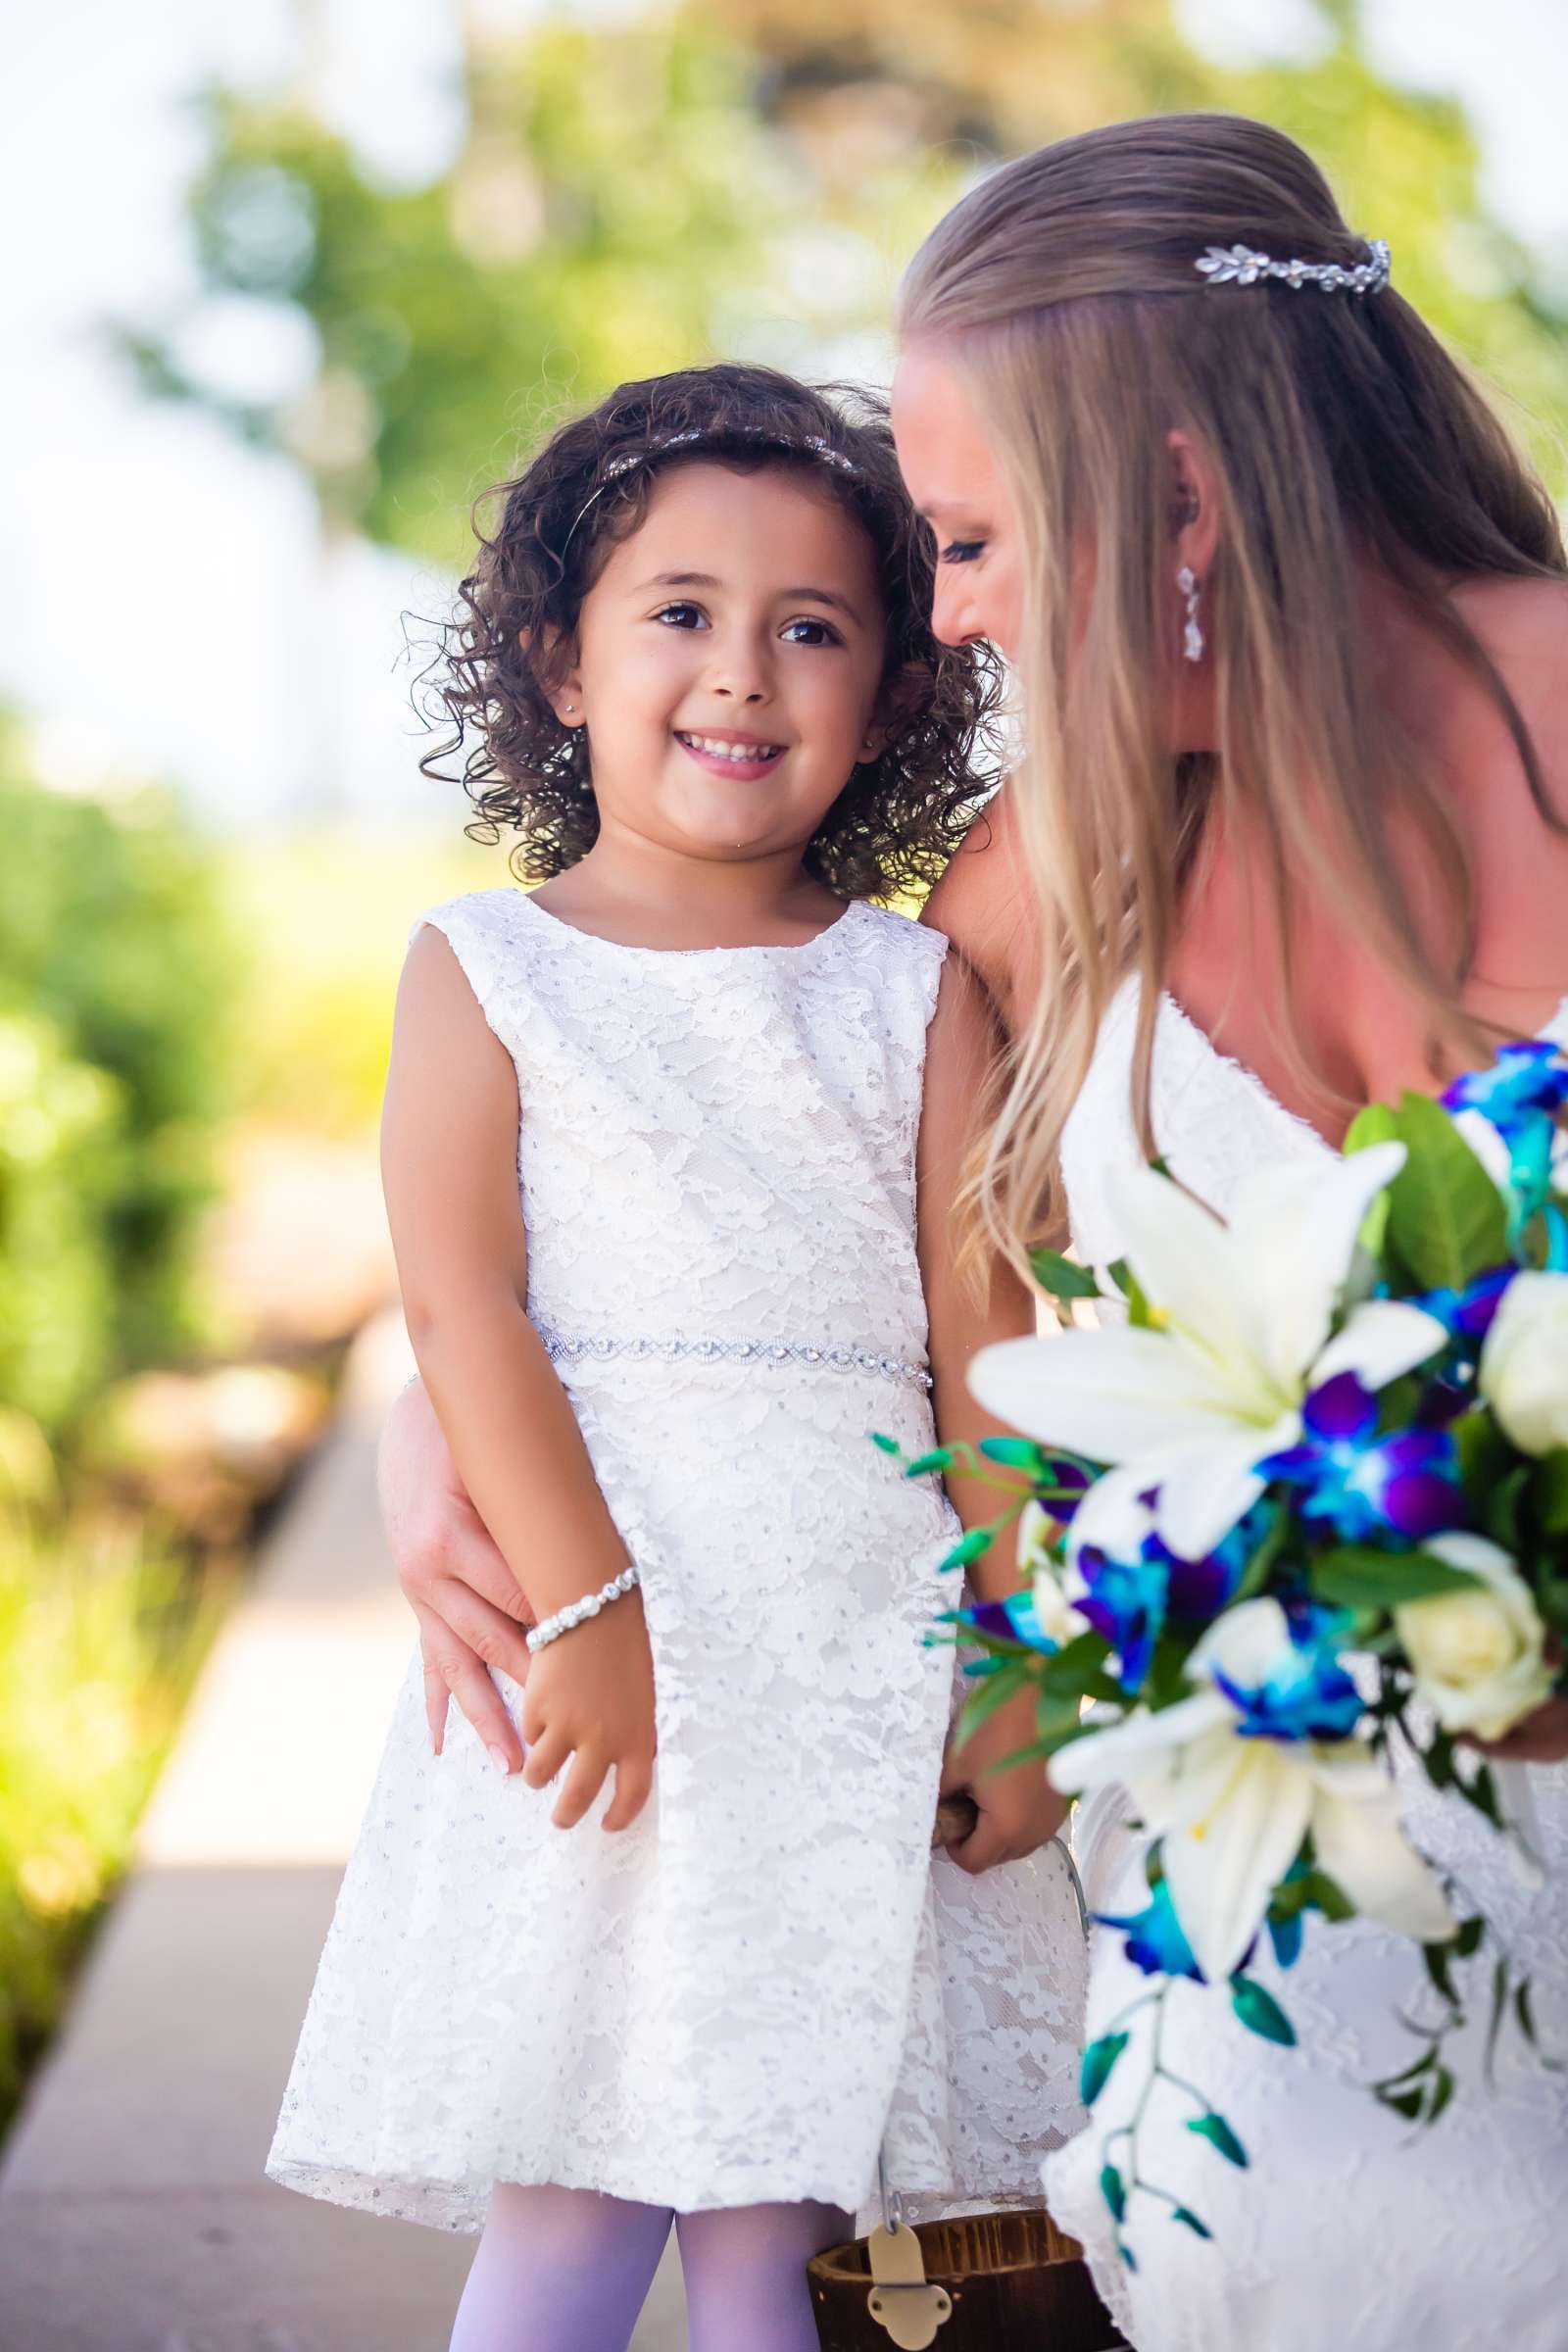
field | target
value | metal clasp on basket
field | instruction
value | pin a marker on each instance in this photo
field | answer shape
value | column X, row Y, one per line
column 903, row 2301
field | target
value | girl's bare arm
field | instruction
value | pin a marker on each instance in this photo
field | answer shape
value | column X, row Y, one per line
column 1018, row 1809
column 449, row 1168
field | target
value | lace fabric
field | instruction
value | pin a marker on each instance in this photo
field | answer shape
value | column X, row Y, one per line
column 735, row 2000
column 1349, row 2227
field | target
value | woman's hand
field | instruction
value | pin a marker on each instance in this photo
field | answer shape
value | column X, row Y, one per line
column 1541, row 1739
column 1020, row 1810
column 590, row 1699
column 471, row 1610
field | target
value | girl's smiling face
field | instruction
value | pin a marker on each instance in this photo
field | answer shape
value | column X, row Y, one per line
column 729, row 662
column 946, row 458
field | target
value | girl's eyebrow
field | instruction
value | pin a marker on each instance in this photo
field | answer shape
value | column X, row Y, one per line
column 707, row 579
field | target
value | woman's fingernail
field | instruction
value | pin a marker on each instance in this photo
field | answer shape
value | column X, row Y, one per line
column 498, row 1758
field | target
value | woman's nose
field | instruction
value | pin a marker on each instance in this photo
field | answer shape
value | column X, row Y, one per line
column 950, row 619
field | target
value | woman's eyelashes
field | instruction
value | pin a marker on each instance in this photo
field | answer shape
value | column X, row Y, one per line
column 962, row 551
column 692, row 616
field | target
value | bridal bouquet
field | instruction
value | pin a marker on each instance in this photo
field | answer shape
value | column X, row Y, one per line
column 1304, row 1507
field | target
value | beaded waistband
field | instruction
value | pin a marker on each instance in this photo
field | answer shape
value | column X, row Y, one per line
column 563, row 1349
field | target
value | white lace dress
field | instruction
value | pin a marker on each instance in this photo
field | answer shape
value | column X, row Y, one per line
column 1350, row 2229
column 736, row 1999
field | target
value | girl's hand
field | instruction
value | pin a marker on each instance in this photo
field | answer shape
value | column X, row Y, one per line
column 1020, row 1810
column 590, row 1698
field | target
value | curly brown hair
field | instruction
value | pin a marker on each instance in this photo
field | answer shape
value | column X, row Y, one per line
column 900, row 815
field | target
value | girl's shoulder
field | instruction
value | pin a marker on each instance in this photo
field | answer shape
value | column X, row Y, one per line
column 489, row 931
column 887, row 931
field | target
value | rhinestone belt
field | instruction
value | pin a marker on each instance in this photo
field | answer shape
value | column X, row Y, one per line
column 562, row 1350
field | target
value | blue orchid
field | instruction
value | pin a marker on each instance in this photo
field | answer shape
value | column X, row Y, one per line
column 1127, row 1589
column 1306, row 1693
column 1156, row 1941
column 1528, row 1080
column 1364, row 1485
column 1520, row 1097
column 1015, row 1619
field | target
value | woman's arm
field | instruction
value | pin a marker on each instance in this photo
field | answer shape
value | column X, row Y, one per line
column 469, row 1609
column 449, row 1168
column 1019, row 1810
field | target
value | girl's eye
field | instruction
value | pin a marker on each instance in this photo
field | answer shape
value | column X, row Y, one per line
column 962, row 551
column 826, row 634
column 680, row 617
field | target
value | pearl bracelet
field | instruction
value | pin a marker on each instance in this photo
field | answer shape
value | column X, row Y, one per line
column 578, row 1612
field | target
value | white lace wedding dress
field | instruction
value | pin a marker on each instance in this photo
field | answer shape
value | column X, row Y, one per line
column 737, row 2000
column 1351, row 2229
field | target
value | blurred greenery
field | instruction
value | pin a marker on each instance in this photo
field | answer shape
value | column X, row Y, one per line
column 749, row 175
column 326, row 917
column 101, row 1631
column 114, row 984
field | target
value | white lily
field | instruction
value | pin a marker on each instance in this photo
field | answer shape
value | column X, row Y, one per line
column 1231, row 1812
column 1243, row 1314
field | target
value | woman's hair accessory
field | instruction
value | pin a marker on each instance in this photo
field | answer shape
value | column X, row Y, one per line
column 810, row 445
column 1240, row 265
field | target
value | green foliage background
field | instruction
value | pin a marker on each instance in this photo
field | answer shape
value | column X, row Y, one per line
column 749, row 175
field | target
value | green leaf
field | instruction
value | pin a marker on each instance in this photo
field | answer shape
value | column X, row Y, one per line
column 1447, row 1218
column 1267, row 1550
column 1523, row 2011
column 1375, row 1124
column 1436, row 1957
column 969, row 1547
column 993, row 1694
column 1015, row 1454
column 1260, row 2013
column 939, row 1458
column 1060, row 1278
column 888, row 1444
column 1407, row 2103
column 1330, row 1896
column 1549, row 1492
column 1097, row 2060
column 1185, row 2214
column 1468, row 1940
column 1484, row 1455
column 1503, row 1508
column 1357, row 1576
column 1442, row 2093
column 1113, row 2190
column 1218, row 2134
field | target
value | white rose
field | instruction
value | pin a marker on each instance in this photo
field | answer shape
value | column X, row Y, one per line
column 1524, row 1363
column 1477, row 1657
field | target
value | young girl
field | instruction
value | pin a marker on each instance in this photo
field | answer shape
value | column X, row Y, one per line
column 695, row 1960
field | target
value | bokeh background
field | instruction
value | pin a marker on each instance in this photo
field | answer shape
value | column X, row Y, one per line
column 288, row 283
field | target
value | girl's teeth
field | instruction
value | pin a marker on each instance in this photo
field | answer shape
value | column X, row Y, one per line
column 733, row 751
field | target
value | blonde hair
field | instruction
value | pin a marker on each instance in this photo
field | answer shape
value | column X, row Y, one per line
column 1340, row 435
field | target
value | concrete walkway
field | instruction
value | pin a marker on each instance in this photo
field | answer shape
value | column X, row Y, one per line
column 133, row 2213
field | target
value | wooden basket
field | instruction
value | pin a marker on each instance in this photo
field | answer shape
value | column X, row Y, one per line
column 1015, row 2281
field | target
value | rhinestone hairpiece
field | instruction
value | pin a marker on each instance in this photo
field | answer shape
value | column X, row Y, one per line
column 811, row 445
column 1240, row 265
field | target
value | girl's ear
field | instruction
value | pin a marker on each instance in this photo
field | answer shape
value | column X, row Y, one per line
column 554, row 665
column 897, row 701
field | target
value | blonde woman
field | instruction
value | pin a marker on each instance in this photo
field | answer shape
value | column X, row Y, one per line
column 1290, row 832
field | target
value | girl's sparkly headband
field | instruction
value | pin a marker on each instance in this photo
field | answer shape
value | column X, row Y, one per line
column 811, row 445
column 1240, row 265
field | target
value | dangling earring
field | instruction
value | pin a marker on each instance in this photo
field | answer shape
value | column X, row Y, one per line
column 1193, row 637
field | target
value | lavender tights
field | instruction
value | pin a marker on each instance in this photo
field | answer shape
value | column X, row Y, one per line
column 564, row 2270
